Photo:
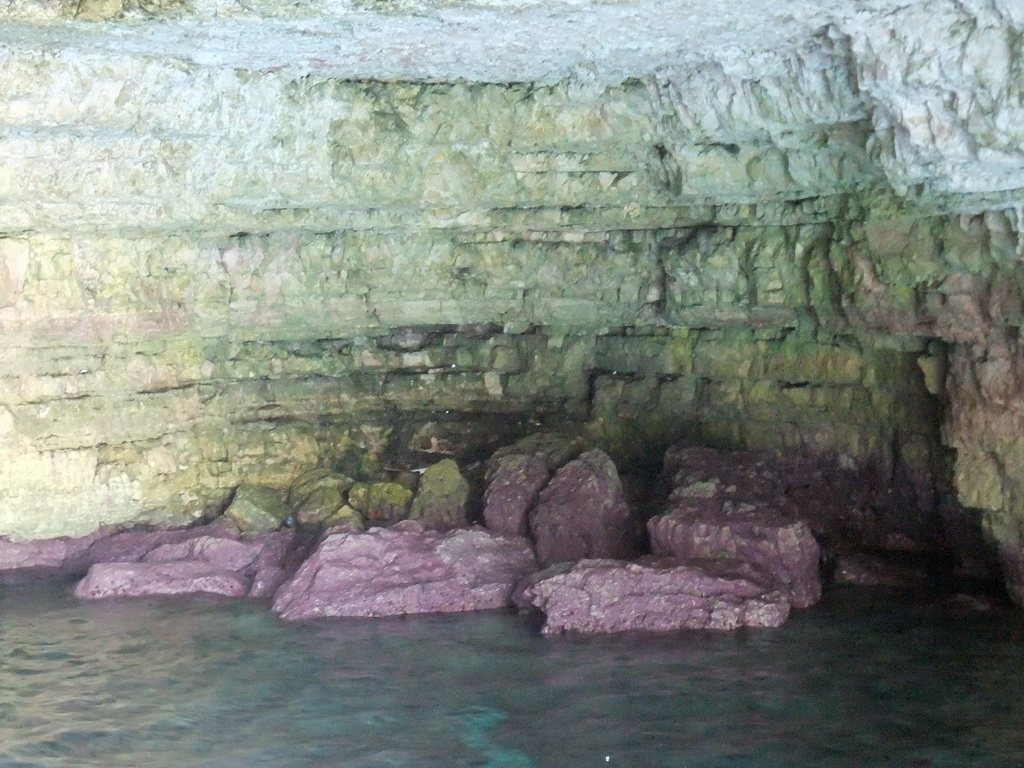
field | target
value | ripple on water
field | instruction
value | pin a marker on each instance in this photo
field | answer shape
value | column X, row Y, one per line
column 220, row 684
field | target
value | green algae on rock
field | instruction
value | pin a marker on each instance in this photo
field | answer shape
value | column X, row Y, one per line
column 257, row 509
column 442, row 498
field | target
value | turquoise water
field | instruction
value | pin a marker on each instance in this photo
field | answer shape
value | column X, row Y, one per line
column 185, row 683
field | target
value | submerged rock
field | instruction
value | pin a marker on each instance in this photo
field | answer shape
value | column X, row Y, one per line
column 442, row 498
column 595, row 596
column 583, row 513
column 405, row 569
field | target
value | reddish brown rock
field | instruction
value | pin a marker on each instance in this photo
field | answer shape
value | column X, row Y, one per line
column 267, row 560
column 106, row 580
column 132, row 545
column 613, row 596
column 517, row 473
column 516, row 482
column 75, row 555
column 784, row 548
column 736, row 506
column 583, row 513
column 405, row 569
column 41, row 553
column 229, row 554
column 847, row 507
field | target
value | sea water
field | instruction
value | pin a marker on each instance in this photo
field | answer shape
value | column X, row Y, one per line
column 856, row 681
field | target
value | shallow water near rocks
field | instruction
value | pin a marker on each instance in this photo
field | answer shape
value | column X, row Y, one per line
column 855, row 681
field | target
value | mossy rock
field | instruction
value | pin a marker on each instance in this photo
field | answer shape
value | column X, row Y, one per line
column 555, row 449
column 314, row 482
column 346, row 515
column 257, row 508
column 442, row 500
column 381, row 503
column 321, row 505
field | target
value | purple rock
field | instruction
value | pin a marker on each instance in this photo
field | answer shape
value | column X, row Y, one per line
column 268, row 580
column 773, row 543
column 751, row 474
column 229, row 554
column 133, row 545
column 583, row 513
column 171, row 578
column 281, row 555
column 42, row 553
column 515, row 484
column 736, row 506
column 613, row 596
column 75, row 555
column 405, row 569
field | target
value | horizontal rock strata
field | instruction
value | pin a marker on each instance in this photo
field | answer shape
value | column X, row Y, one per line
column 241, row 241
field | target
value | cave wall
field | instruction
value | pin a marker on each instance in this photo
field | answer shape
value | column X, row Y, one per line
column 238, row 241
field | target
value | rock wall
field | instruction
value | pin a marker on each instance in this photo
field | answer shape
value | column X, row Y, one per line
column 240, row 241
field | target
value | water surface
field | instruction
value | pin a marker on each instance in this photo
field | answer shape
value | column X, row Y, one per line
column 199, row 682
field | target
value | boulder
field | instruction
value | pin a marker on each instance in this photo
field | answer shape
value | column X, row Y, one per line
column 550, row 447
column 442, row 498
column 736, row 506
column 74, row 555
column 381, row 503
column 346, row 515
column 281, row 554
column 132, row 545
column 602, row 595
column 159, row 578
column 51, row 554
column 316, row 496
column 582, row 513
column 229, row 554
column 405, row 569
column 308, row 483
column 516, row 482
column 847, row 507
column 265, row 560
column 260, row 563
column 257, row 509
column 753, row 533
column 319, row 506
column 515, row 476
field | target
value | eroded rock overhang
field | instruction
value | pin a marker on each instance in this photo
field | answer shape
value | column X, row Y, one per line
column 243, row 239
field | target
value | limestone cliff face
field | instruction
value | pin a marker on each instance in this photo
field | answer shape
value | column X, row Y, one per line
column 238, row 241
